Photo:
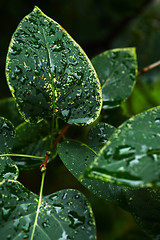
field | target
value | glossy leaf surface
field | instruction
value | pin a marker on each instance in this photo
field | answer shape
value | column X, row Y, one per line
column 8, row 169
column 116, row 70
column 63, row 215
column 132, row 156
column 32, row 139
column 48, row 73
column 77, row 157
column 144, row 206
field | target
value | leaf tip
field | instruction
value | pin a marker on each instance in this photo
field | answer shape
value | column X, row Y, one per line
column 36, row 9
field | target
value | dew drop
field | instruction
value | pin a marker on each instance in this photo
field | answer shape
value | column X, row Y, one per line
column 157, row 120
column 5, row 213
column 16, row 224
column 124, row 151
column 66, row 113
column 64, row 236
column 53, row 197
column 25, row 236
column 76, row 220
column 45, row 224
column 8, row 236
column 64, row 196
column 58, row 207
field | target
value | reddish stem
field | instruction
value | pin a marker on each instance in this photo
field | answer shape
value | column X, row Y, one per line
column 64, row 130
column 148, row 68
column 43, row 167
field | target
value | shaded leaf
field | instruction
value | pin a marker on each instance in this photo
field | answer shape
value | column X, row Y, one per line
column 116, row 70
column 63, row 215
column 8, row 109
column 8, row 169
column 32, row 139
column 77, row 157
column 144, row 205
column 99, row 135
column 48, row 73
column 132, row 156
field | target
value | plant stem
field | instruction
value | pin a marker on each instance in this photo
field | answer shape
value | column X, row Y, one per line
column 20, row 155
column 54, row 107
column 43, row 167
column 39, row 204
column 64, row 130
column 148, row 68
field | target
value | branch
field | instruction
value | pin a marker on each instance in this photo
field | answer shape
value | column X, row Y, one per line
column 43, row 167
column 146, row 69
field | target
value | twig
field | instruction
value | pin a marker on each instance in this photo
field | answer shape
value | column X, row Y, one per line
column 43, row 167
column 146, row 69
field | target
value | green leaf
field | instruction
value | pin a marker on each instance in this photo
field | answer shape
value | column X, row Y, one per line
column 9, row 110
column 8, row 169
column 99, row 135
column 144, row 206
column 32, row 139
column 63, row 215
column 132, row 155
column 77, row 157
column 48, row 73
column 117, row 71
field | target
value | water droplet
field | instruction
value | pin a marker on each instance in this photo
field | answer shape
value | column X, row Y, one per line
column 58, row 46
column 8, row 236
column 134, row 162
column 53, row 197
column 27, row 225
column 76, row 220
column 77, row 196
column 66, row 113
column 18, row 70
column 64, row 196
column 6, row 213
column 25, row 236
column 58, row 207
column 16, row 224
column 123, row 152
column 46, row 224
column 64, row 236
column 157, row 120
column 4, row 125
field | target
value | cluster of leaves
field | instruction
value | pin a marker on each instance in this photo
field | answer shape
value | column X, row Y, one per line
column 53, row 83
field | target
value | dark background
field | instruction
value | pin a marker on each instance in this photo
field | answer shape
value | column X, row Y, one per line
column 97, row 25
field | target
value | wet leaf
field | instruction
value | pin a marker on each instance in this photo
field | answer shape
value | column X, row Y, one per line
column 32, row 139
column 48, row 73
column 77, row 157
column 9, row 110
column 144, row 206
column 8, row 169
column 63, row 215
column 132, row 156
column 116, row 70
